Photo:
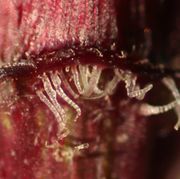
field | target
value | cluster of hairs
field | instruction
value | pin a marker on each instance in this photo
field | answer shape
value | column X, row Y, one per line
column 86, row 82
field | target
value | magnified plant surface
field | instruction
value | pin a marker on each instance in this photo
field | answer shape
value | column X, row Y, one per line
column 89, row 89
